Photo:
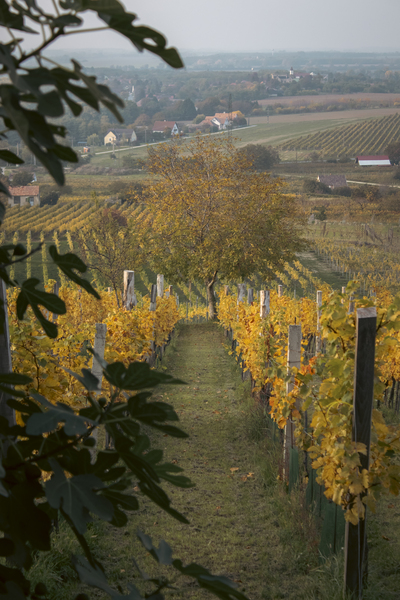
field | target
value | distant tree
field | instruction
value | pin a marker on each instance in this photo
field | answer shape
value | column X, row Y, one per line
column 319, row 213
column 210, row 106
column 93, row 140
column 261, row 157
column 50, row 198
column 199, row 119
column 108, row 245
column 311, row 186
column 393, row 151
column 210, row 215
column 187, row 110
column 167, row 133
column 143, row 121
column 22, row 178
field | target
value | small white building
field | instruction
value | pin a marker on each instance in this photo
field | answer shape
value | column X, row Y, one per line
column 373, row 161
column 23, row 195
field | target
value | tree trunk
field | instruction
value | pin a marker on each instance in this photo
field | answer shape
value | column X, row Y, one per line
column 212, row 309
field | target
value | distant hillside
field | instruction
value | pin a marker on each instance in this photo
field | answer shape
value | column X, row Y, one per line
column 367, row 137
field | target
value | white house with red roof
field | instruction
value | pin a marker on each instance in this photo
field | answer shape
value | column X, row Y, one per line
column 24, row 195
column 373, row 161
column 161, row 126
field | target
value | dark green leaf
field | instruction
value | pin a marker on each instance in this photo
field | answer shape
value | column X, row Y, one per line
column 77, row 496
column 162, row 554
column 220, row 586
column 49, row 420
column 138, row 376
column 29, row 295
column 10, row 157
column 95, row 577
column 69, row 263
column 87, row 379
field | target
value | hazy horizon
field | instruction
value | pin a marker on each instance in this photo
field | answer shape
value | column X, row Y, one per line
column 214, row 27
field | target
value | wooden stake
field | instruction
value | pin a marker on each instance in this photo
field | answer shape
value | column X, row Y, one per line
column 241, row 292
column 355, row 536
column 97, row 370
column 264, row 303
column 319, row 312
column 293, row 360
column 280, row 291
column 153, row 298
column 160, row 286
column 250, row 296
column 129, row 297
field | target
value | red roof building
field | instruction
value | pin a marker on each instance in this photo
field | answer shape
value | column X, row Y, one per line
column 373, row 161
column 23, row 195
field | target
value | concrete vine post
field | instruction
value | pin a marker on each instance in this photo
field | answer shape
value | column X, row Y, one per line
column 293, row 360
column 355, row 556
column 250, row 296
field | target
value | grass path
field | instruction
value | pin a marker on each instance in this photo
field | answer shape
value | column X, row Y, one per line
column 237, row 523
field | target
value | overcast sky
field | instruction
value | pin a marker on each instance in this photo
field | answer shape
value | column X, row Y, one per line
column 260, row 25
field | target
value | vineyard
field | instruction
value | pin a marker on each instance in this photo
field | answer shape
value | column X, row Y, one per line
column 367, row 137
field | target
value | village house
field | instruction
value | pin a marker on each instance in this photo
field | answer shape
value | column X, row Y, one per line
column 333, row 181
column 161, row 126
column 222, row 120
column 120, row 136
column 24, row 195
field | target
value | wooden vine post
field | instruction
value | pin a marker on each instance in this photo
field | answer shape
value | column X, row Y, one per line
column 319, row 312
column 250, row 296
column 264, row 303
column 280, row 291
column 129, row 297
column 99, row 348
column 356, row 535
column 160, row 286
column 293, row 360
column 152, row 308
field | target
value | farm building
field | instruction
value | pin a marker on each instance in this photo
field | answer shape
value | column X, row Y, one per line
column 373, row 161
column 333, row 181
column 161, row 126
column 23, row 195
column 120, row 136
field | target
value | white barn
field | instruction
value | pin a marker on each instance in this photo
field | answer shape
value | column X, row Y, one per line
column 373, row 161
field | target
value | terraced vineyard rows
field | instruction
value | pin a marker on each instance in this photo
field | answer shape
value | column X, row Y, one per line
column 65, row 216
column 367, row 137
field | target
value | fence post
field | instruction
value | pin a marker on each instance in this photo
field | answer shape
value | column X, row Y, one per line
column 318, row 336
column 129, row 297
column 98, row 347
column 356, row 535
column 241, row 292
column 160, row 286
column 293, row 360
column 264, row 303
column 56, row 291
column 280, row 291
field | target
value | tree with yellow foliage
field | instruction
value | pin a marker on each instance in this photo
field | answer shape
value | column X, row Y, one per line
column 211, row 216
